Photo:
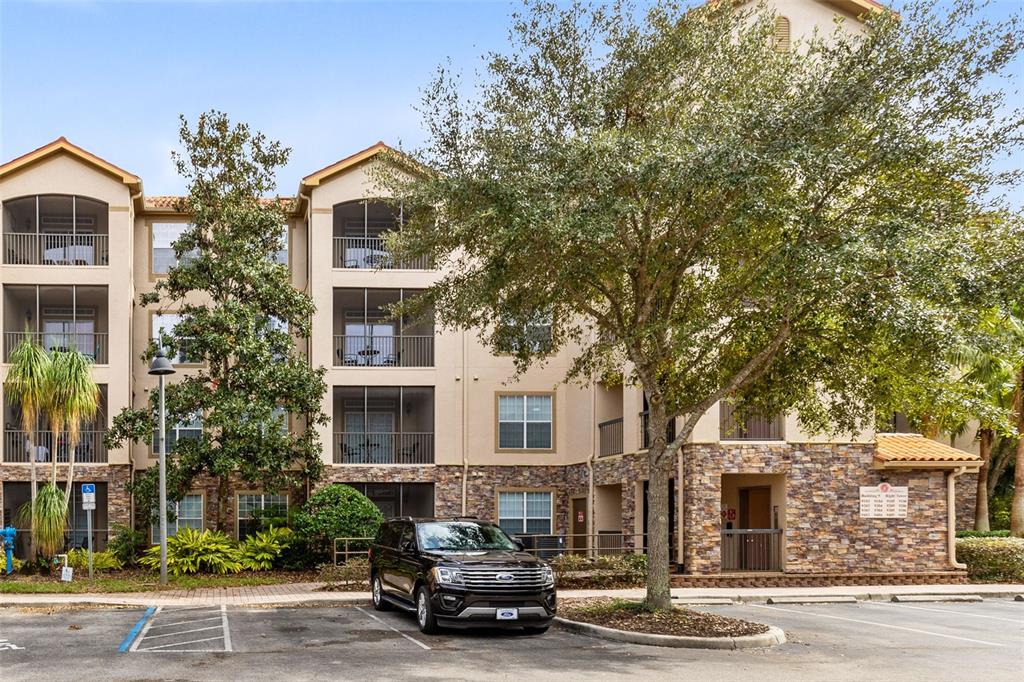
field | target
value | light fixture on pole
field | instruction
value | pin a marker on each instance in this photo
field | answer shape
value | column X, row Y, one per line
column 161, row 367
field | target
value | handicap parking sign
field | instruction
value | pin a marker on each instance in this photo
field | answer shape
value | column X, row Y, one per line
column 88, row 496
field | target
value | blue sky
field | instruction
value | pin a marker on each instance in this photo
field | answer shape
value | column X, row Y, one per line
column 327, row 78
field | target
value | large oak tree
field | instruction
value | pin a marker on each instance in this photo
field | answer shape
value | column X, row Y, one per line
column 726, row 220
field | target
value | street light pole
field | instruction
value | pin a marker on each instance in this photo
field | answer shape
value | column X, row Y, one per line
column 161, row 367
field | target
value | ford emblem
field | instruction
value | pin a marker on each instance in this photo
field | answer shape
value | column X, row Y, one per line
column 505, row 577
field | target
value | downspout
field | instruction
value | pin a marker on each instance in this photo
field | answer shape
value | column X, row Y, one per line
column 591, row 498
column 131, row 323
column 680, row 509
column 465, row 446
column 951, row 517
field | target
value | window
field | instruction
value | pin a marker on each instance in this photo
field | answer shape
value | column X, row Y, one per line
column 525, row 422
column 188, row 513
column 281, row 256
column 164, row 236
column 525, row 513
column 782, row 37
column 535, row 333
column 162, row 332
column 189, row 428
column 254, row 507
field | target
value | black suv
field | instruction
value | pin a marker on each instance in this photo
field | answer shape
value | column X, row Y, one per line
column 461, row 573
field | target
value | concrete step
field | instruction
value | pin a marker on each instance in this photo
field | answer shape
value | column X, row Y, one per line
column 837, row 599
column 908, row 598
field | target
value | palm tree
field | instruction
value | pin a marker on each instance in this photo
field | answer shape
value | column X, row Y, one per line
column 74, row 397
column 26, row 387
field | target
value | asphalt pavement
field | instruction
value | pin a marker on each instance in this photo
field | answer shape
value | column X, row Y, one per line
column 894, row 642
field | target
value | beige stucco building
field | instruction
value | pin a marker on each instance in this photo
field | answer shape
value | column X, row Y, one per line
column 430, row 422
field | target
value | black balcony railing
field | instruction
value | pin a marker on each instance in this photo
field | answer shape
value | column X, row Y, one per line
column 645, row 438
column 753, row 428
column 90, row 448
column 30, row 248
column 383, row 448
column 371, row 253
column 92, row 345
column 752, row 549
column 610, row 437
column 384, row 351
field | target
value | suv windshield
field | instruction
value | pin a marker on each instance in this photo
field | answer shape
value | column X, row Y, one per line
column 459, row 536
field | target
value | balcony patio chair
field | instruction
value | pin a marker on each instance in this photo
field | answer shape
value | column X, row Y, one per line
column 409, row 455
column 389, row 361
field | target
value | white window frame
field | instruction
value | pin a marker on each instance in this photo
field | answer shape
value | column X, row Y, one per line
column 524, row 397
column 174, row 526
column 525, row 518
column 152, row 245
column 263, row 505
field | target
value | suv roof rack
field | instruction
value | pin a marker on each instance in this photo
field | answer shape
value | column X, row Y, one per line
column 465, row 518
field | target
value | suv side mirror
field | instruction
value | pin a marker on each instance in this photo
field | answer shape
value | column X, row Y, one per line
column 408, row 546
column 519, row 544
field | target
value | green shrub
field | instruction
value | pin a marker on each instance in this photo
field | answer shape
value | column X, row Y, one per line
column 127, row 544
column 78, row 559
column 983, row 533
column 351, row 575
column 993, row 559
column 260, row 551
column 579, row 571
column 192, row 551
column 337, row 511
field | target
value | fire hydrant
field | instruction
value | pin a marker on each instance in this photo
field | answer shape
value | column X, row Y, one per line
column 7, row 535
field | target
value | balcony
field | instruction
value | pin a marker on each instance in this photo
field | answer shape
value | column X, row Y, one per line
column 610, row 437
column 58, row 318
column 383, row 425
column 55, row 230
column 47, row 447
column 358, row 238
column 754, row 427
column 645, row 439
column 367, row 334
column 90, row 448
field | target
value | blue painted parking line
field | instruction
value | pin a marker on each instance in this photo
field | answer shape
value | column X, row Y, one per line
column 134, row 632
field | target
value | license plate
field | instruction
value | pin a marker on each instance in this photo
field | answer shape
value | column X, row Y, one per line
column 507, row 614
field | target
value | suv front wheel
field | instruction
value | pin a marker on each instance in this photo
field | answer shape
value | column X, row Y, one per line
column 425, row 612
column 377, row 590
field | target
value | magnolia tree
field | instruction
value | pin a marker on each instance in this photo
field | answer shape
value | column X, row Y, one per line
column 726, row 220
column 238, row 314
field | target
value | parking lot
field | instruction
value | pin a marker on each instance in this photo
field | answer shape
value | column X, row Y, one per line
column 921, row 641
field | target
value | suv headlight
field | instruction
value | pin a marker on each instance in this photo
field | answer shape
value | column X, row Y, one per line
column 447, row 576
column 549, row 576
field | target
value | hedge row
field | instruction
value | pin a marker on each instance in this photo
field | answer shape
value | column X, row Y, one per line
column 993, row 559
column 983, row 533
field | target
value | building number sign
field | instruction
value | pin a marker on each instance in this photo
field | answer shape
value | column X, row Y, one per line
column 883, row 501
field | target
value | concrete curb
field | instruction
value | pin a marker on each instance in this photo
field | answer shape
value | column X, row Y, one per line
column 773, row 637
column 305, row 600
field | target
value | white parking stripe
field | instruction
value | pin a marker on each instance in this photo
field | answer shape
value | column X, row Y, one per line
column 224, row 624
column 1018, row 621
column 194, row 641
column 876, row 624
column 142, row 635
column 184, row 632
column 411, row 639
column 186, row 622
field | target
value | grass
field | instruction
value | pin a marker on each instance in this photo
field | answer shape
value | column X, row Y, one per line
column 144, row 581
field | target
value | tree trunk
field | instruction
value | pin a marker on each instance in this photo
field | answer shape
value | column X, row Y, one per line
column 659, row 471
column 32, row 499
column 981, row 498
column 222, row 503
column 1017, row 507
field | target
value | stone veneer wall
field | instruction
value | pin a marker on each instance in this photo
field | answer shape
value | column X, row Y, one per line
column 824, row 530
column 116, row 476
column 966, row 497
column 209, row 486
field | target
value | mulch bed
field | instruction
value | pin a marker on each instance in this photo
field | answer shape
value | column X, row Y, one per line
column 630, row 616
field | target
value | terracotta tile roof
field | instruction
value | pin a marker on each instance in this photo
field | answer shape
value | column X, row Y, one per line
column 167, row 202
column 912, row 447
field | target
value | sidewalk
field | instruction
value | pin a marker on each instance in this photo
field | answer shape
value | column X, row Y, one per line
column 295, row 594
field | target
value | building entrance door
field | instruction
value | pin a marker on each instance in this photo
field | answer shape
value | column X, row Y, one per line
column 755, row 513
column 578, row 509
